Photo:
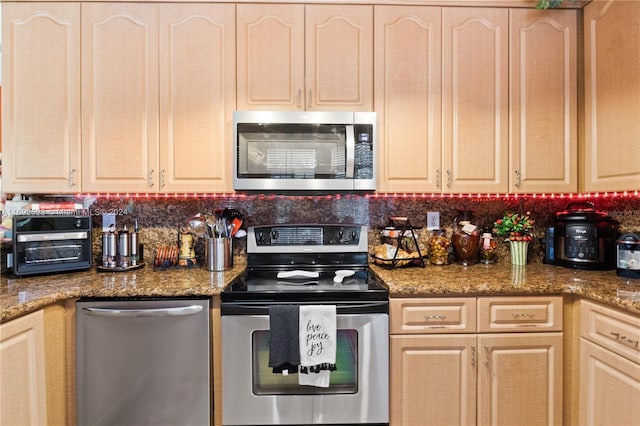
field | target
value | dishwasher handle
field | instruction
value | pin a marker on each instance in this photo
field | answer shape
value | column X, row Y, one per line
column 144, row 313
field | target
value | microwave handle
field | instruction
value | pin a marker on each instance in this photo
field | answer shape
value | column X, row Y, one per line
column 351, row 151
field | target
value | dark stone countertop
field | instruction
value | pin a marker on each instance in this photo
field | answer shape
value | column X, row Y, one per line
column 19, row 296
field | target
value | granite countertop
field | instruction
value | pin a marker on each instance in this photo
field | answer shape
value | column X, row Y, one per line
column 19, row 296
column 506, row 279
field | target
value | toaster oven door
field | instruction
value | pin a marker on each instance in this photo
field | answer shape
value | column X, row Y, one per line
column 37, row 253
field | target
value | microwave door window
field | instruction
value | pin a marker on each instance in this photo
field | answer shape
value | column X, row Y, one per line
column 312, row 152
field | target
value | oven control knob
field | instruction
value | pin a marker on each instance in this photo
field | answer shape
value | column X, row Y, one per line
column 340, row 233
column 354, row 235
column 274, row 234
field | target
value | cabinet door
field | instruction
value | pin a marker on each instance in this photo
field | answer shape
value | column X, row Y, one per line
column 408, row 99
column 339, row 57
column 475, row 99
column 543, row 99
column 433, row 380
column 120, row 97
column 197, row 96
column 270, row 56
column 609, row 387
column 612, row 95
column 520, row 379
column 41, row 99
column 23, row 399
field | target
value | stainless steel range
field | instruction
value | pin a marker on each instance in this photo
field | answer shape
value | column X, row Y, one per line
column 306, row 265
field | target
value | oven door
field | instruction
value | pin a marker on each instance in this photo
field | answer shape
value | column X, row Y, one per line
column 254, row 395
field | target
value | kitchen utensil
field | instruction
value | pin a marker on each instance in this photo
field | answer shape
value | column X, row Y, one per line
column 197, row 225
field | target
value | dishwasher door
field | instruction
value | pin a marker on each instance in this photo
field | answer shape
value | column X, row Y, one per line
column 143, row 362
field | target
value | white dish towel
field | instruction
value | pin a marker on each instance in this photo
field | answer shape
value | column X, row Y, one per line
column 317, row 344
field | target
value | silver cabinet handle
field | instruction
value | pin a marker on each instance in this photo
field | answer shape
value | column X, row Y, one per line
column 487, row 360
column 518, row 179
column 150, row 179
column 626, row 340
column 449, row 179
column 518, row 315
column 144, row 313
column 162, row 178
column 435, row 317
column 309, row 99
column 473, row 356
column 70, row 178
column 438, row 179
column 299, row 98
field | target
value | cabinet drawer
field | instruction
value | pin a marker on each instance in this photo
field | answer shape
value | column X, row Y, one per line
column 433, row 315
column 616, row 331
column 527, row 313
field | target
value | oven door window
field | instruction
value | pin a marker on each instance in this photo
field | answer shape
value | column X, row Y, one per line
column 57, row 251
column 343, row 381
column 292, row 151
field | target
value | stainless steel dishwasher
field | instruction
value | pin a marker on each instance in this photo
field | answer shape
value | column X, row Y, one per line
column 143, row 362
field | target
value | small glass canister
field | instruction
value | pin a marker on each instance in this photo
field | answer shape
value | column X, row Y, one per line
column 439, row 247
column 488, row 247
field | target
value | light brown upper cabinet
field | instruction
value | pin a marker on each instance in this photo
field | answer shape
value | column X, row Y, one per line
column 612, row 96
column 41, row 97
column 458, row 89
column 475, row 102
column 442, row 98
column 120, row 97
column 157, row 96
column 543, row 101
column 408, row 66
column 305, row 57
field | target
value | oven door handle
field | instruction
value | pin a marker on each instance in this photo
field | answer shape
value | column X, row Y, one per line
column 144, row 313
column 248, row 308
column 52, row 236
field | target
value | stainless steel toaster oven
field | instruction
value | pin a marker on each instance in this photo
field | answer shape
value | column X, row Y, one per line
column 51, row 243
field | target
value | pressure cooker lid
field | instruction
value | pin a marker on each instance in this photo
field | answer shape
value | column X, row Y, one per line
column 583, row 211
column 630, row 241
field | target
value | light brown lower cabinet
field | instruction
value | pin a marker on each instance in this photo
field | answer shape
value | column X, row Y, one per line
column 609, row 367
column 446, row 369
column 23, row 396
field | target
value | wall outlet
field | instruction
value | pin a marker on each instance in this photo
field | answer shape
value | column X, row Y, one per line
column 433, row 220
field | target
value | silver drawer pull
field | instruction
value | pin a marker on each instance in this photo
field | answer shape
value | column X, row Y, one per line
column 435, row 317
column 626, row 340
column 523, row 315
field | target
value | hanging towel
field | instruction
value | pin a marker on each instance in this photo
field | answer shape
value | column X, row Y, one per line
column 317, row 344
column 284, row 349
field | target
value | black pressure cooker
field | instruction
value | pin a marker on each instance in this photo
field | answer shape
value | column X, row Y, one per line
column 584, row 238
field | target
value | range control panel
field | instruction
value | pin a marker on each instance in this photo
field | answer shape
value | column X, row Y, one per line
column 320, row 238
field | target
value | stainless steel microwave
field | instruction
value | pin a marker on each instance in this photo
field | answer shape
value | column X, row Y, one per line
column 280, row 151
